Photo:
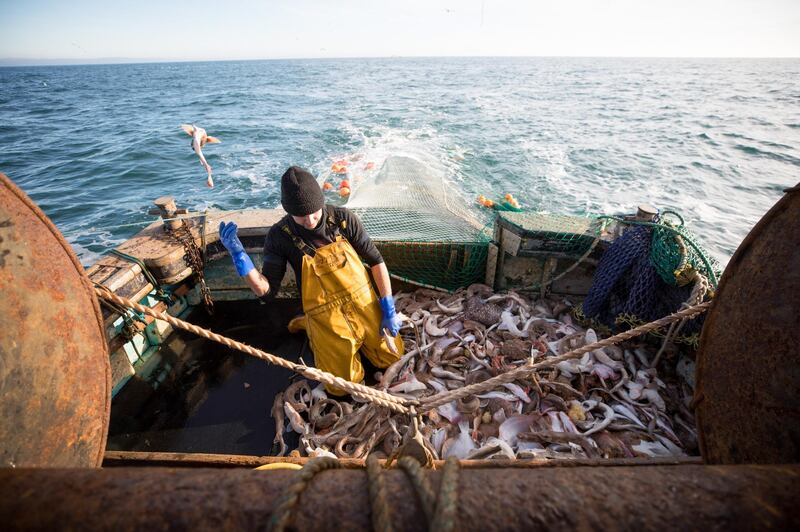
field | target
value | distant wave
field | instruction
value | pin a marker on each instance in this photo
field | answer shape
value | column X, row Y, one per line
column 752, row 150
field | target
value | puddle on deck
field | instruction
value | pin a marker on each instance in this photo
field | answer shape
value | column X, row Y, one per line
column 211, row 399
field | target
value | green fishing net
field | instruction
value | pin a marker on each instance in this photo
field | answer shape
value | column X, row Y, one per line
column 428, row 234
column 675, row 254
column 556, row 233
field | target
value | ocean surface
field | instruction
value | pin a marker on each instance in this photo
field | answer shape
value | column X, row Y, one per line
column 717, row 140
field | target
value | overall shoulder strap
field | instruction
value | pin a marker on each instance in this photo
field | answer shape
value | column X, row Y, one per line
column 335, row 224
column 298, row 242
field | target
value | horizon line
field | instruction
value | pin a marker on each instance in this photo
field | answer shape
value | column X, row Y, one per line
column 100, row 61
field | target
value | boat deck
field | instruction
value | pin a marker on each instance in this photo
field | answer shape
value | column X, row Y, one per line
column 209, row 398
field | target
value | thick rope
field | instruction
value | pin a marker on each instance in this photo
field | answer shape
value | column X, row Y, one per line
column 379, row 504
column 425, row 494
column 396, row 404
column 282, row 514
column 440, row 510
column 697, row 295
column 447, row 502
column 434, row 401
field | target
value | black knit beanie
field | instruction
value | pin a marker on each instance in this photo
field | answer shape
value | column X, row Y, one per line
column 300, row 193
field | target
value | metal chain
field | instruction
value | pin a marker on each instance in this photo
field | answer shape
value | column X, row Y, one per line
column 194, row 259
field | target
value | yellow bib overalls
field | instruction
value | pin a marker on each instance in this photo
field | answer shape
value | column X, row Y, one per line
column 342, row 313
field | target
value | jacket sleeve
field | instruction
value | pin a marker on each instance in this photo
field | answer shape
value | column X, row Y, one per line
column 274, row 266
column 355, row 233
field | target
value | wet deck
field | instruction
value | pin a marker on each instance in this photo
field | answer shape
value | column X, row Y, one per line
column 210, row 398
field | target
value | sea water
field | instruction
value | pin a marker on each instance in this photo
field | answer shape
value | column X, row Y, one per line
column 715, row 139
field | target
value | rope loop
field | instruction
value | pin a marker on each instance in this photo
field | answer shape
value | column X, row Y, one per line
column 425, row 494
column 447, row 503
column 439, row 509
column 282, row 514
column 379, row 504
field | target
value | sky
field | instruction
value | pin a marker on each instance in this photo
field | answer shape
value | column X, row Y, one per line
column 86, row 31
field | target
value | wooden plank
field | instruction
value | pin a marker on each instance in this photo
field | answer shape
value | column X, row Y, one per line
column 510, row 242
column 133, row 458
column 491, row 265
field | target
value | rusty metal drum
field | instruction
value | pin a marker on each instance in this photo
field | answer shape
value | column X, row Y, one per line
column 55, row 392
column 748, row 365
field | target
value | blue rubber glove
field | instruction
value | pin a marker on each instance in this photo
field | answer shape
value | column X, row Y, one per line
column 227, row 235
column 390, row 321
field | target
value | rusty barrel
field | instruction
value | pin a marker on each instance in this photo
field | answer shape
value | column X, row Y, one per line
column 748, row 364
column 55, row 392
column 678, row 497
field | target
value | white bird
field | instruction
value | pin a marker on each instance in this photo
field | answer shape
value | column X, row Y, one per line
column 199, row 139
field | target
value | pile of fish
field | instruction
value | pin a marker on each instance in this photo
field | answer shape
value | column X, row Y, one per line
column 610, row 403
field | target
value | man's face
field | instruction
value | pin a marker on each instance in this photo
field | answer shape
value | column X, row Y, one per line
column 308, row 221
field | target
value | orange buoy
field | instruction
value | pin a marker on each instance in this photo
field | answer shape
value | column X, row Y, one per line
column 344, row 184
column 344, row 192
column 326, row 186
column 339, row 167
column 486, row 202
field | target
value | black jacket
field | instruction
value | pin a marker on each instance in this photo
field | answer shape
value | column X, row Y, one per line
column 280, row 247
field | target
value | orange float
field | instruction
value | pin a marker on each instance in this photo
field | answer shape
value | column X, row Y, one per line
column 486, row 202
column 339, row 167
column 344, row 192
column 512, row 201
column 344, row 184
column 326, row 186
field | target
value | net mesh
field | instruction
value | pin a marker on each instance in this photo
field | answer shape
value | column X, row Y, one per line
column 675, row 255
column 428, row 234
column 627, row 289
column 555, row 233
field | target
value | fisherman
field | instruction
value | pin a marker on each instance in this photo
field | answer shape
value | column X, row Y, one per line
column 325, row 245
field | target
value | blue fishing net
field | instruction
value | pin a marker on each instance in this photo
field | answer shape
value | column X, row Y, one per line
column 613, row 266
column 627, row 289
